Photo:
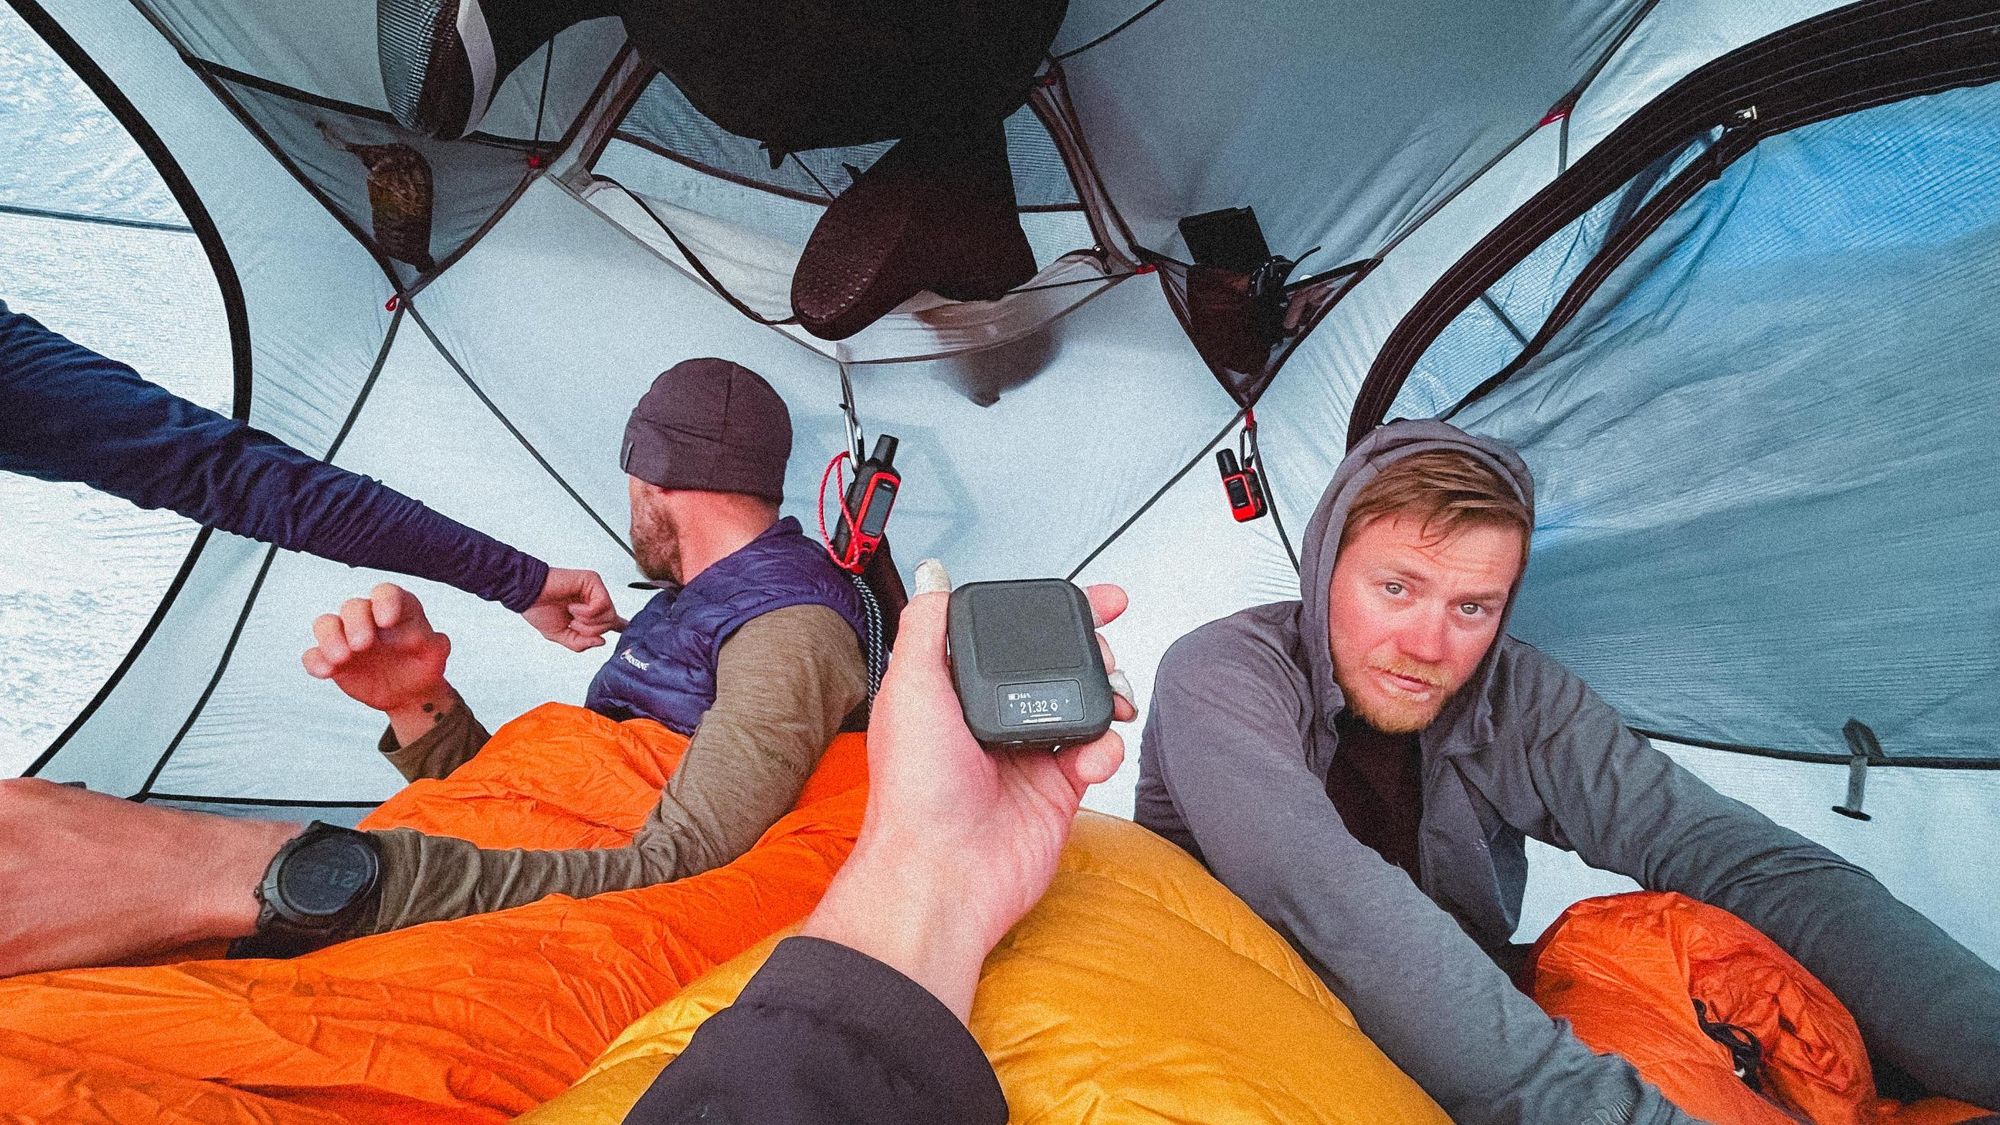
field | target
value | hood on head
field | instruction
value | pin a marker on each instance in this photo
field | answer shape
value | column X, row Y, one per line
column 1384, row 446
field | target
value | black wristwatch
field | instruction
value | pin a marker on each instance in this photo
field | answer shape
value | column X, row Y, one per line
column 316, row 887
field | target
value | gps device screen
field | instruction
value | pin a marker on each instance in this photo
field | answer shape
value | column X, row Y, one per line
column 1026, row 664
column 1053, row 701
column 877, row 516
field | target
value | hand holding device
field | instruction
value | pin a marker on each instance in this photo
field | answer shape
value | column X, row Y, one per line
column 958, row 842
column 1026, row 666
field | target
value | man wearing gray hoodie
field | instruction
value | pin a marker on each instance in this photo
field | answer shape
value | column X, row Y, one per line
column 1364, row 765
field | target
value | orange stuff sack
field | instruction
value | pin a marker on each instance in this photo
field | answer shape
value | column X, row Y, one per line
column 1626, row 971
column 1137, row 990
column 473, row 1020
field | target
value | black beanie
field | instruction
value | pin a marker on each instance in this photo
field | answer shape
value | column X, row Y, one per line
column 711, row 425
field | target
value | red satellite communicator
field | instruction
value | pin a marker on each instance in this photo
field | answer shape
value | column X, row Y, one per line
column 1240, row 483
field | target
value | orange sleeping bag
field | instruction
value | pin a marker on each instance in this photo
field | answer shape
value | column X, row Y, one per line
column 1627, row 971
column 473, row 1020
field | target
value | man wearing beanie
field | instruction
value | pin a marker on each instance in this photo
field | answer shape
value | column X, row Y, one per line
column 752, row 648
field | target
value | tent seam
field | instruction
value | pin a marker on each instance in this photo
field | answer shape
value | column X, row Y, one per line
column 262, row 802
column 1930, row 762
column 494, row 409
column 1200, row 456
column 270, row 556
column 98, row 220
column 214, row 680
column 1114, row 32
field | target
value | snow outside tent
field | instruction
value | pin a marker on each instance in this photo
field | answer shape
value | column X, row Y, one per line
column 1726, row 274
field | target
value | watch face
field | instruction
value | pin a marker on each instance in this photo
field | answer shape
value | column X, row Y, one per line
column 323, row 877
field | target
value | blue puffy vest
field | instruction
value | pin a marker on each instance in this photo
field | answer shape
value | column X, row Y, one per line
column 664, row 667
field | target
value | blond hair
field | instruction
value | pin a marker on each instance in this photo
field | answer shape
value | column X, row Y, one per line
column 1446, row 491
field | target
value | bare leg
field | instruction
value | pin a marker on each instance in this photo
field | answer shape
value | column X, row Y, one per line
column 90, row 879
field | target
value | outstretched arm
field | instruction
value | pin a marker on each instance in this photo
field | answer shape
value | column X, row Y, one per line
column 74, row 415
column 89, row 879
column 1922, row 1000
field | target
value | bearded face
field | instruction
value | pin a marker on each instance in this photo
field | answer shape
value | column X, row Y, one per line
column 656, row 544
column 1410, row 615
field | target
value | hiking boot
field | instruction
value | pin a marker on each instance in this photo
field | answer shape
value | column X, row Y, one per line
column 936, row 212
column 443, row 60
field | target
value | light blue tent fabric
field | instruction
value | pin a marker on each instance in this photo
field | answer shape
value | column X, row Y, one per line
column 1766, row 446
column 1405, row 133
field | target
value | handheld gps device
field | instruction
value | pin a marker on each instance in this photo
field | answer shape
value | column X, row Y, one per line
column 1025, row 661
column 1242, row 486
column 865, row 507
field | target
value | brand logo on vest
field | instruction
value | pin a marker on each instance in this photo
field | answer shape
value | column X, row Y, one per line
column 627, row 657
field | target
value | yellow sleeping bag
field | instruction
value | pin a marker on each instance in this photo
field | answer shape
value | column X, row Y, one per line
column 1138, row 990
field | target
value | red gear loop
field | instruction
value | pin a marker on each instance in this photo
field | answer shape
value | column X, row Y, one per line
column 854, row 541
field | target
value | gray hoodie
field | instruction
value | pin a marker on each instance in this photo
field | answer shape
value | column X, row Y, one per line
column 1233, row 768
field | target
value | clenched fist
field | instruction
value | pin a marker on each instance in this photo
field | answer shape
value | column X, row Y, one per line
column 381, row 651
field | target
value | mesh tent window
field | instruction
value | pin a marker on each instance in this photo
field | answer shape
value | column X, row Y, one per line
column 662, row 146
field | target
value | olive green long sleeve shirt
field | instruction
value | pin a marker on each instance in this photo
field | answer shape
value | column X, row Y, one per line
column 784, row 683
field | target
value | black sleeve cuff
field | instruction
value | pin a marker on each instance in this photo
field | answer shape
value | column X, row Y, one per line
column 908, row 1028
column 825, row 1033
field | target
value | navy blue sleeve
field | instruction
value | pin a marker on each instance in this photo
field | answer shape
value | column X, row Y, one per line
column 69, row 414
column 825, row 1033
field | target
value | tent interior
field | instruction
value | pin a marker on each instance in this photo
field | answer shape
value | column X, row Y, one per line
column 1749, row 357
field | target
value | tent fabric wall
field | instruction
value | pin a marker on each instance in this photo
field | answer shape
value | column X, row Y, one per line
column 312, row 305
column 70, row 155
column 1676, row 37
column 1384, row 110
column 1406, row 132
column 1929, row 839
column 420, row 430
column 1758, row 392
column 100, row 249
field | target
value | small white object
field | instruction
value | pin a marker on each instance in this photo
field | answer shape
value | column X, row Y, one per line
column 932, row 578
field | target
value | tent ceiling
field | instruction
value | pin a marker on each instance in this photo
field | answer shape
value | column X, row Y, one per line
column 326, row 49
column 662, row 120
column 1344, row 124
column 1379, row 111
